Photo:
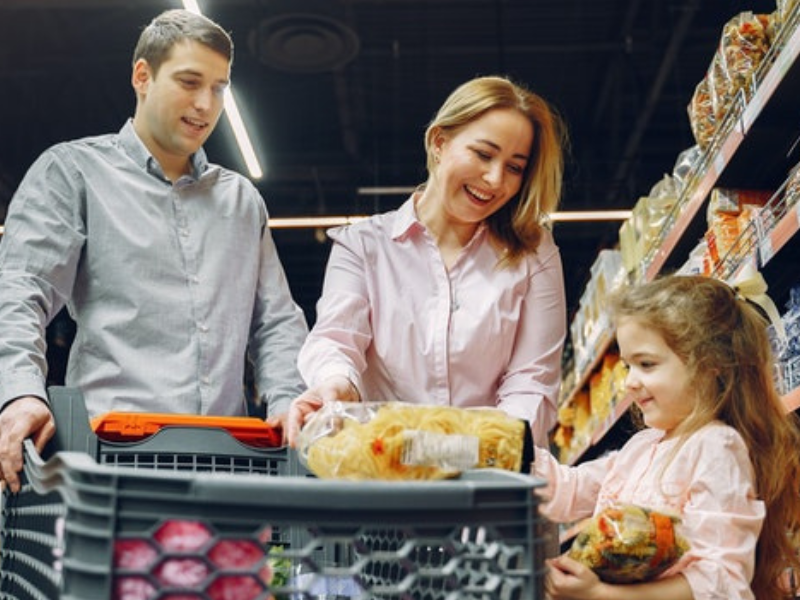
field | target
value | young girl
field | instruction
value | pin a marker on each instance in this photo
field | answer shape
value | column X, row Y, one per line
column 719, row 450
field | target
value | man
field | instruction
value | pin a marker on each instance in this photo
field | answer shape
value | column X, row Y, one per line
column 164, row 261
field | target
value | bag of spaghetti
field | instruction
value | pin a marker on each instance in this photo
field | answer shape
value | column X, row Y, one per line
column 629, row 544
column 403, row 441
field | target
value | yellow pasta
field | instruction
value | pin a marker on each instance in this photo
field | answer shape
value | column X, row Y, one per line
column 408, row 441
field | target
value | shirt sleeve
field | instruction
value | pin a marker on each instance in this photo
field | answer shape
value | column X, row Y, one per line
column 722, row 518
column 279, row 330
column 338, row 341
column 571, row 492
column 529, row 388
column 39, row 253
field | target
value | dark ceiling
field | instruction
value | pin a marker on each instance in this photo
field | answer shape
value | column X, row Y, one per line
column 337, row 94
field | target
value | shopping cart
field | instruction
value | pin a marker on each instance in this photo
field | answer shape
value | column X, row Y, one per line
column 207, row 519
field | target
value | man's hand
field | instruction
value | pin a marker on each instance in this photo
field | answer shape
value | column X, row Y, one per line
column 305, row 405
column 22, row 418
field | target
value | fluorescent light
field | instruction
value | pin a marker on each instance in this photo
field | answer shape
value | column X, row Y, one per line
column 234, row 118
column 192, row 6
column 591, row 215
column 336, row 220
column 312, row 222
column 240, row 132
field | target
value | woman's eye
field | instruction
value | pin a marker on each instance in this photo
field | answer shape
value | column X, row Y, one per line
column 516, row 169
column 483, row 155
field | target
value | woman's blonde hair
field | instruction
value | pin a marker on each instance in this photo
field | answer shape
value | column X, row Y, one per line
column 723, row 341
column 518, row 225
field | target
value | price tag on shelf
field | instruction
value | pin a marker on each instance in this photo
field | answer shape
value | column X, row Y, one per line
column 765, row 249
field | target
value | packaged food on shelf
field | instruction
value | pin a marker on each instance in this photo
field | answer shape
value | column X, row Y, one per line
column 629, row 544
column 702, row 119
column 404, row 441
column 746, row 39
column 744, row 43
column 643, row 230
column 788, row 348
column 729, row 216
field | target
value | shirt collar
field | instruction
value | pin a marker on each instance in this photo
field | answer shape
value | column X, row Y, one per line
column 134, row 147
column 407, row 223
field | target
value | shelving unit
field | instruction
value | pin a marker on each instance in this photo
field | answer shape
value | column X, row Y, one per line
column 755, row 148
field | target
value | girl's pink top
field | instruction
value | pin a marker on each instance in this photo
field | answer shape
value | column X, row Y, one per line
column 708, row 481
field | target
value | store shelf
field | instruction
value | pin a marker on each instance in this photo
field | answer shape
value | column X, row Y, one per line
column 754, row 148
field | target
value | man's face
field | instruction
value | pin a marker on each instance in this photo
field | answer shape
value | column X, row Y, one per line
column 179, row 106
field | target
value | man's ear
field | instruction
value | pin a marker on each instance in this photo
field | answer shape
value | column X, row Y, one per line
column 141, row 76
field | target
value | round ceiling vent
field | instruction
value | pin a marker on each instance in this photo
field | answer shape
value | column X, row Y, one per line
column 304, row 42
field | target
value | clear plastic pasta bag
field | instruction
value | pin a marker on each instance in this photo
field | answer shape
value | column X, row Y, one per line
column 403, row 441
column 629, row 544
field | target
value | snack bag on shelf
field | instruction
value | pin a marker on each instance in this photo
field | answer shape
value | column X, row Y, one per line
column 745, row 41
column 402, row 441
column 701, row 114
column 784, row 9
column 628, row 544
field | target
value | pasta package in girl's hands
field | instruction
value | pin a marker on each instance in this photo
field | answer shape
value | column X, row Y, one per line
column 629, row 544
column 402, row 441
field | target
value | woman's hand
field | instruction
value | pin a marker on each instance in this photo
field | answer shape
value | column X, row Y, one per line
column 567, row 579
column 305, row 405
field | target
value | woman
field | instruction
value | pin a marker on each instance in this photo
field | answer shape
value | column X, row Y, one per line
column 457, row 297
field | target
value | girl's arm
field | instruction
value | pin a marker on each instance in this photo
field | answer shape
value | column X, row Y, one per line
column 570, row 580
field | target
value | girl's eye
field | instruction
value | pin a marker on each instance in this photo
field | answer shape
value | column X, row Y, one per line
column 483, row 155
column 516, row 169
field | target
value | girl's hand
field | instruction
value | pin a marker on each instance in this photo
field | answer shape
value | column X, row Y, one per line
column 568, row 579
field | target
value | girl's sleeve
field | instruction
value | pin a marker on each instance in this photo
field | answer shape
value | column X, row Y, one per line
column 571, row 492
column 722, row 519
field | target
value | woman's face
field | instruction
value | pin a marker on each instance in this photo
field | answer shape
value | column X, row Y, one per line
column 658, row 381
column 481, row 166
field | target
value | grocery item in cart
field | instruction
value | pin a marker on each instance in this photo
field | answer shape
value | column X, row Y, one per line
column 628, row 544
column 398, row 440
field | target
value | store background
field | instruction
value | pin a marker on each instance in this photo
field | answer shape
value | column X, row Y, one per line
column 337, row 94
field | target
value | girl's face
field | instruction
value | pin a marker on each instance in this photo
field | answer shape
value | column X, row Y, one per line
column 658, row 381
column 481, row 166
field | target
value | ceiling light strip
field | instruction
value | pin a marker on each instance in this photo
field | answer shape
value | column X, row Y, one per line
column 335, row 221
column 235, row 118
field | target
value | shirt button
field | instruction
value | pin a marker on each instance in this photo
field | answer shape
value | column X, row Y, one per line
column 205, row 380
column 202, row 327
